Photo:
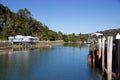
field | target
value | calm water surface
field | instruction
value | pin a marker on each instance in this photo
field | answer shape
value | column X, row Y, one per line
column 54, row 63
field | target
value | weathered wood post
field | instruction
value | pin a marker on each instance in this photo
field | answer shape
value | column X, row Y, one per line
column 99, row 40
column 103, row 57
column 117, row 61
column 109, row 57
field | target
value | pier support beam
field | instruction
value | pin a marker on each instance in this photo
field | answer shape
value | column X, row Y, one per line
column 99, row 47
column 103, row 55
column 109, row 57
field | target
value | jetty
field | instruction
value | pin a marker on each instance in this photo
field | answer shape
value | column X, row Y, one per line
column 105, row 53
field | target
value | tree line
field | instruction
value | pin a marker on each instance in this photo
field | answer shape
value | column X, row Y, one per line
column 22, row 23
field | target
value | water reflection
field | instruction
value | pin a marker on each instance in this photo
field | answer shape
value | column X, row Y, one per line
column 96, row 73
column 75, row 45
column 17, row 64
column 56, row 63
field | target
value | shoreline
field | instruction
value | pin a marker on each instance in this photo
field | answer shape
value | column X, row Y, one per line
column 6, row 46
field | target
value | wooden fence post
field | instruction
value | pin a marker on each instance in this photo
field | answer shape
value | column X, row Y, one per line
column 109, row 57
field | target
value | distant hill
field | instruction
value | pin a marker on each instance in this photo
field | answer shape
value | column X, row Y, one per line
column 110, row 32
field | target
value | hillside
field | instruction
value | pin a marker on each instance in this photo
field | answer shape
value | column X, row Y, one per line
column 22, row 23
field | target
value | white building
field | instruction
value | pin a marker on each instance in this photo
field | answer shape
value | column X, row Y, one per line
column 21, row 38
column 97, row 34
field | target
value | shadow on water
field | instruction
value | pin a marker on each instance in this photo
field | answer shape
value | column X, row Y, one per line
column 95, row 71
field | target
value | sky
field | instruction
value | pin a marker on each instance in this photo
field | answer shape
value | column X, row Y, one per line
column 71, row 16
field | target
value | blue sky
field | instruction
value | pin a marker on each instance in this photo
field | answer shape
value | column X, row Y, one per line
column 72, row 16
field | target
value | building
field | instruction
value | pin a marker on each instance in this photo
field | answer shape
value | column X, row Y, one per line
column 21, row 38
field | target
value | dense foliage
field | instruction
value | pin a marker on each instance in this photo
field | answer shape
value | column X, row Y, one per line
column 22, row 23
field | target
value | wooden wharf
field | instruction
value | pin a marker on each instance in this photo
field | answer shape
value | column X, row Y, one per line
column 106, row 53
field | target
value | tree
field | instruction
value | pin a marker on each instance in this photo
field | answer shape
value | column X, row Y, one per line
column 65, row 37
column 24, row 12
column 60, row 35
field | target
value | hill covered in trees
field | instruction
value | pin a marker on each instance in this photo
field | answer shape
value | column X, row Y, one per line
column 22, row 23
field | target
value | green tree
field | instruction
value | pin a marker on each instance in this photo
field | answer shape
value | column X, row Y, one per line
column 65, row 37
column 24, row 12
column 60, row 35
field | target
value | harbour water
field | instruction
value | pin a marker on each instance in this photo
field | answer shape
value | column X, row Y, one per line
column 66, row 62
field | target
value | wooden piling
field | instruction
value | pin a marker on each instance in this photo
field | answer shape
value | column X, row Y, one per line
column 117, row 57
column 99, row 48
column 109, row 57
column 103, row 57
